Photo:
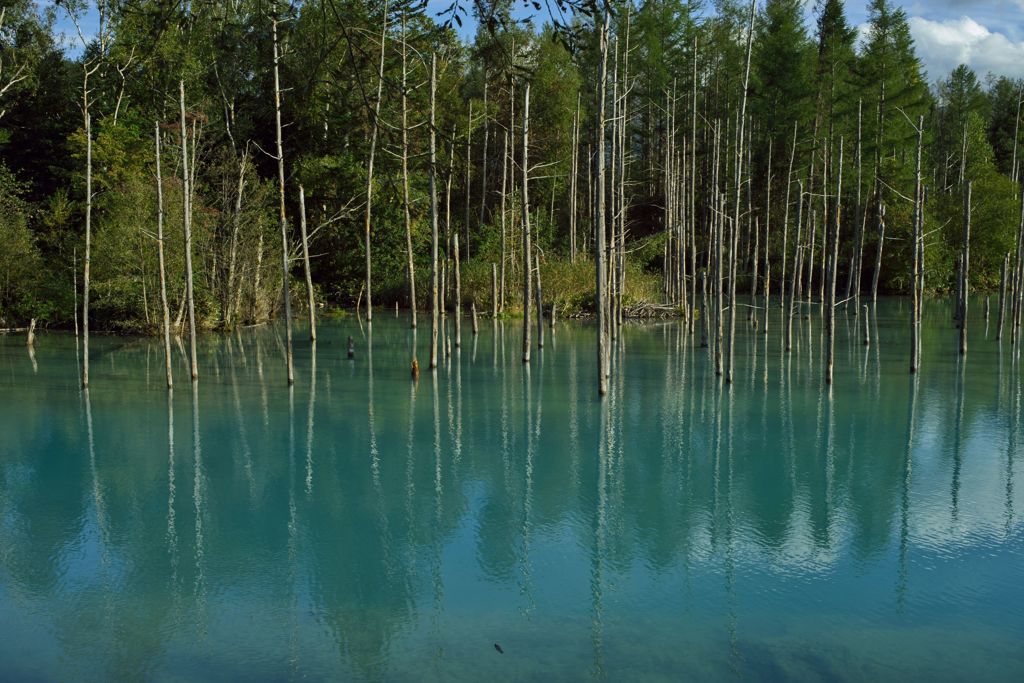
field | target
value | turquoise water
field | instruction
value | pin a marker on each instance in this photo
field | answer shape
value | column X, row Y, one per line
column 361, row 526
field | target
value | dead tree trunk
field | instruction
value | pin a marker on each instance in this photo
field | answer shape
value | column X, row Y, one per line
column 965, row 272
column 494, row 291
column 915, row 323
column 282, row 220
column 738, row 196
column 880, row 207
column 853, row 277
column 504, row 232
column 435, row 305
column 573, row 174
column 833, row 259
column 527, row 248
column 785, row 218
column 311, row 298
column 187, row 219
column 469, row 171
column 458, row 292
column 599, row 215
column 483, row 165
column 540, row 306
column 88, row 246
column 374, row 134
column 794, row 299
column 1002, row 296
column 410, row 268
column 160, row 260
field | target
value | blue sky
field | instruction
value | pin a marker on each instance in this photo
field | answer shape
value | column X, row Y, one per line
column 988, row 35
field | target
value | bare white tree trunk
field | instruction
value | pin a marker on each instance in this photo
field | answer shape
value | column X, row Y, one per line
column 160, row 259
column 305, row 262
column 282, row 220
column 434, row 303
column 410, row 268
column 599, row 217
column 374, row 134
column 738, row 194
column 527, row 248
column 187, row 219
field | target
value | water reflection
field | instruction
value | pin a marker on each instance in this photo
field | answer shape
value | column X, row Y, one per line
column 361, row 525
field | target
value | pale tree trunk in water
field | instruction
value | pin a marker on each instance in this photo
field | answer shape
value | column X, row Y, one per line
column 504, row 195
column 915, row 323
column 434, row 303
column 375, row 131
column 88, row 246
column 965, row 271
column 527, row 280
column 738, row 194
column 832, row 247
column 410, row 268
column 305, row 261
column 599, row 217
column 187, row 213
column 160, row 259
column 289, row 359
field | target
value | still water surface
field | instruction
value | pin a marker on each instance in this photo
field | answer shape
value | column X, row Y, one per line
column 361, row 526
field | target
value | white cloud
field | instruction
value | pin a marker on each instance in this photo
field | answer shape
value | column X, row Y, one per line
column 942, row 45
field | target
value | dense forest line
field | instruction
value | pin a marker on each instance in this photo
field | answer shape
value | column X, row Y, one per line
column 331, row 139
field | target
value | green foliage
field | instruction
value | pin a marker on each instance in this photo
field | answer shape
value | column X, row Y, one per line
column 20, row 267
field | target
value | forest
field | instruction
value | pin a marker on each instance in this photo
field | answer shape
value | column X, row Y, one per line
column 212, row 164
